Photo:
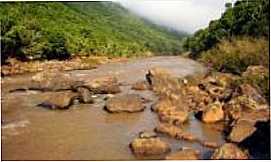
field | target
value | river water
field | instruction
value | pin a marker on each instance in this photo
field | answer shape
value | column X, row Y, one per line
column 87, row 131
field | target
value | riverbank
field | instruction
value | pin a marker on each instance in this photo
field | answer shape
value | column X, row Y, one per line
column 15, row 67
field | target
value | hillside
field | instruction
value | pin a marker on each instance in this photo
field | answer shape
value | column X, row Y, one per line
column 57, row 30
column 243, row 18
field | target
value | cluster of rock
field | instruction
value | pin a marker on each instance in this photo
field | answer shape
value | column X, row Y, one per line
column 69, row 91
column 213, row 98
column 14, row 66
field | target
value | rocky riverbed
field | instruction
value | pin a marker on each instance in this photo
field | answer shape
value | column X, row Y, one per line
column 152, row 108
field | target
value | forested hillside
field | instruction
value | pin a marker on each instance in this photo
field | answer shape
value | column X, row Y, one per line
column 35, row 30
column 244, row 18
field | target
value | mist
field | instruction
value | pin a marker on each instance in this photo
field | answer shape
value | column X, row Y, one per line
column 181, row 15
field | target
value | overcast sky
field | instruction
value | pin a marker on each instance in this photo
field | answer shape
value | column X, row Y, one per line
column 183, row 15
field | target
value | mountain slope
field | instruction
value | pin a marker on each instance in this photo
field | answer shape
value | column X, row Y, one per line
column 56, row 30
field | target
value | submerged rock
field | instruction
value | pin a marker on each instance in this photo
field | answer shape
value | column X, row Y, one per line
column 184, row 154
column 58, row 100
column 149, row 146
column 229, row 151
column 125, row 103
column 175, row 132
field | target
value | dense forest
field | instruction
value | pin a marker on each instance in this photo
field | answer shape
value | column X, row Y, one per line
column 58, row 30
column 244, row 18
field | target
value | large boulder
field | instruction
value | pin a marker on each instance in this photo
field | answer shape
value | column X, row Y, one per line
column 125, row 103
column 184, row 154
column 58, row 100
column 229, row 151
column 103, row 85
column 213, row 113
column 52, row 80
column 241, row 130
column 244, row 106
column 161, row 80
column 149, row 146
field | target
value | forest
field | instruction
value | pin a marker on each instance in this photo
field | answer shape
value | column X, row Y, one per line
column 60, row 30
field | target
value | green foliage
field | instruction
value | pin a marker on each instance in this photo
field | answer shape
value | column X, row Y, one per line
column 55, row 30
column 244, row 18
column 236, row 55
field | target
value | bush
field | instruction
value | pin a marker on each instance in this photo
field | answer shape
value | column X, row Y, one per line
column 236, row 55
column 55, row 48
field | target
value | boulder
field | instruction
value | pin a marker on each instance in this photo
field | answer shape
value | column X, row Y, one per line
column 173, row 116
column 241, row 130
column 156, row 72
column 161, row 80
column 175, row 132
column 213, row 113
column 125, row 103
column 243, row 107
column 84, row 95
column 141, row 85
column 52, row 80
column 251, row 92
column 184, row 154
column 229, row 151
column 103, row 85
column 58, row 100
column 255, row 70
column 149, row 146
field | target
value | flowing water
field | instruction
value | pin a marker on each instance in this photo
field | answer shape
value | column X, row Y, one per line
column 86, row 131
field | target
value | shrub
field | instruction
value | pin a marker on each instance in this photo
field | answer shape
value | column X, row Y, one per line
column 236, row 55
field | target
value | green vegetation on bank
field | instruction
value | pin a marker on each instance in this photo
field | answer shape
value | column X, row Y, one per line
column 244, row 18
column 236, row 55
column 57, row 30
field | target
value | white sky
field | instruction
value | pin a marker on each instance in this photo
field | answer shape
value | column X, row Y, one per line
column 183, row 15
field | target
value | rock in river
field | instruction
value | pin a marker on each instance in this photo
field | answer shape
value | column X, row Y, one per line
column 229, row 151
column 103, row 85
column 149, row 146
column 52, row 81
column 241, row 130
column 58, row 100
column 213, row 113
column 125, row 103
column 84, row 95
column 184, row 154
column 141, row 85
